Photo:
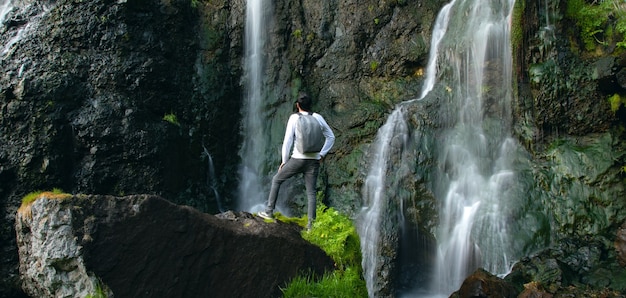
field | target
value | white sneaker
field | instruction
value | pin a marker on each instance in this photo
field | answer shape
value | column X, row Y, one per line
column 266, row 215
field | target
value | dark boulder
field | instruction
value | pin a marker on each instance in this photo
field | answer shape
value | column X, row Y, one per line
column 145, row 246
column 484, row 284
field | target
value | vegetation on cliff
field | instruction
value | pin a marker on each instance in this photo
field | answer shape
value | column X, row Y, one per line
column 30, row 198
column 599, row 22
column 336, row 235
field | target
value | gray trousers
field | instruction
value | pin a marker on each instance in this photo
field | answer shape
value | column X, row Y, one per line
column 310, row 168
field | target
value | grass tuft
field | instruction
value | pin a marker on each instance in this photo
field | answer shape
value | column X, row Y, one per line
column 30, row 198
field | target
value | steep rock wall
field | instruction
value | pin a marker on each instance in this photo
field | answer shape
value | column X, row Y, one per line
column 87, row 84
column 85, row 89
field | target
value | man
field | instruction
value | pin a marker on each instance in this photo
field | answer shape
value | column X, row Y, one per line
column 306, row 163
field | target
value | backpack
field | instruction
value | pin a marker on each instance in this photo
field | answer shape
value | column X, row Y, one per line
column 309, row 136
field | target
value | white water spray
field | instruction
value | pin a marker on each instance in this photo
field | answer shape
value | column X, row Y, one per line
column 251, row 190
column 374, row 187
column 5, row 8
column 471, row 38
column 374, row 193
column 211, row 180
column 473, row 230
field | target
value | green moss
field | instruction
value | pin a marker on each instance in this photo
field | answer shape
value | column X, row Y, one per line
column 297, row 33
column 517, row 29
column 171, row 118
column 310, row 37
column 337, row 236
column 373, row 66
column 616, row 102
column 593, row 20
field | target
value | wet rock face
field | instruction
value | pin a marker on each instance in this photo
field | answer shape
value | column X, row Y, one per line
column 84, row 89
column 86, row 85
column 581, row 267
column 564, row 90
column 145, row 246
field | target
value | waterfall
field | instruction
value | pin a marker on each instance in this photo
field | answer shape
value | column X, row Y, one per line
column 374, row 186
column 251, row 190
column 477, row 150
column 373, row 193
column 471, row 42
column 211, row 180
column 5, row 8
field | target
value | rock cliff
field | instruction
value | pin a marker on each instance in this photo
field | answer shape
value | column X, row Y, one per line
column 120, row 97
column 145, row 246
column 131, row 96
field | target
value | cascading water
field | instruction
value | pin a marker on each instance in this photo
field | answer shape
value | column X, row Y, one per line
column 211, row 180
column 251, row 188
column 374, row 188
column 5, row 7
column 477, row 150
column 471, row 42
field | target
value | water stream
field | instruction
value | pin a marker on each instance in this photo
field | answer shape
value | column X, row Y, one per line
column 395, row 128
column 471, row 43
column 251, row 173
column 211, row 179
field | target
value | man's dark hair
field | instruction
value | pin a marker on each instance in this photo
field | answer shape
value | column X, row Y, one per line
column 305, row 101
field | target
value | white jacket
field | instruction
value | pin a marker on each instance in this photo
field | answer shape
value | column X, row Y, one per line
column 290, row 134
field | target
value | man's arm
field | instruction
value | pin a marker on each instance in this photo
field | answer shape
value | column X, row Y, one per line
column 329, row 136
column 288, row 139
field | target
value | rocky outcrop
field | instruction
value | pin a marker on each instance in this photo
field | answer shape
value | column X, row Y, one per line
column 484, row 284
column 574, row 267
column 145, row 246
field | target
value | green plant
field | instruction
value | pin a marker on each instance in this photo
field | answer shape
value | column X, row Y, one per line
column 620, row 27
column 337, row 236
column 171, row 118
column 30, row 198
column 593, row 21
column 99, row 292
column 347, row 283
column 194, row 3
column 616, row 102
column 297, row 33
column 55, row 193
column 374, row 65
